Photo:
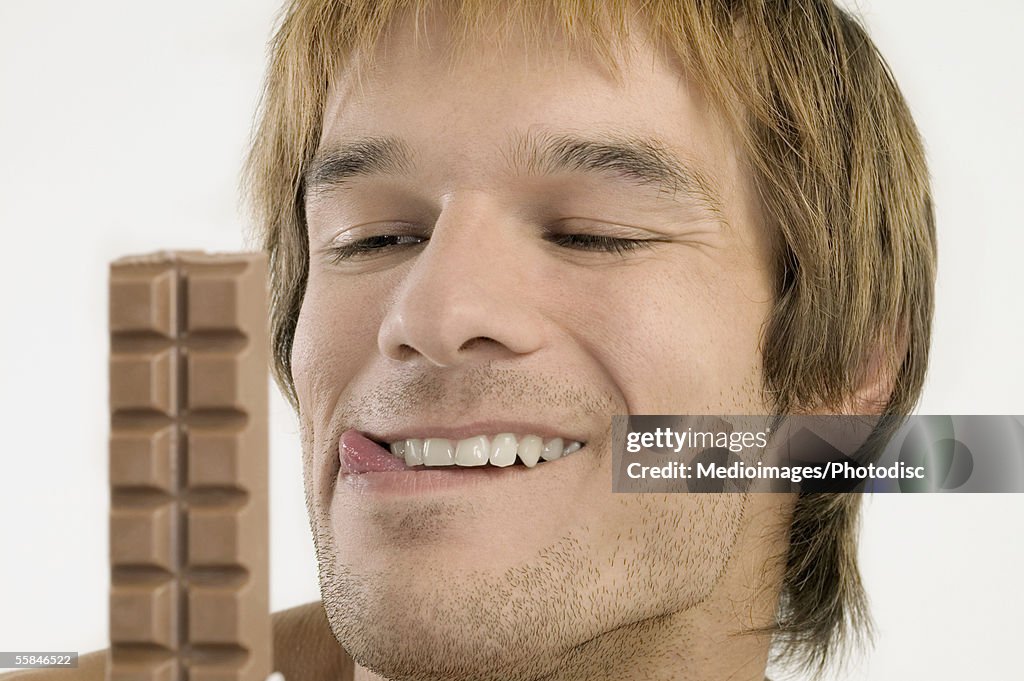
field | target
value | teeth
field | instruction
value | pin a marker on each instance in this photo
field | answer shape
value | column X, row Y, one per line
column 529, row 450
column 479, row 450
column 503, row 450
column 438, row 452
column 472, row 452
column 552, row 450
column 414, row 452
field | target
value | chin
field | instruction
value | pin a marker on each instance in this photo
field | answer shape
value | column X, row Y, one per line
column 440, row 624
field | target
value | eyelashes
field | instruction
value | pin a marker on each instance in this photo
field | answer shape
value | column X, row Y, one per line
column 599, row 242
column 384, row 243
column 371, row 246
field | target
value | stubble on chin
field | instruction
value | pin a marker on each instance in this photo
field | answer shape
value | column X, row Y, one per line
column 527, row 622
column 554, row 612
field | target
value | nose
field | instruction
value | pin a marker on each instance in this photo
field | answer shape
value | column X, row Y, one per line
column 468, row 296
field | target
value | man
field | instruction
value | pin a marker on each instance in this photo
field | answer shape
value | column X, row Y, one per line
column 494, row 227
column 525, row 221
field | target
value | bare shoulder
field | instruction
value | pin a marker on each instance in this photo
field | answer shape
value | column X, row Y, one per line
column 304, row 649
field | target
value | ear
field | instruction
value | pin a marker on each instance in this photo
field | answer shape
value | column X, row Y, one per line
column 877, row 375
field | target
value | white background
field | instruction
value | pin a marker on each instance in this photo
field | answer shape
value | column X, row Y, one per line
column 122, row 129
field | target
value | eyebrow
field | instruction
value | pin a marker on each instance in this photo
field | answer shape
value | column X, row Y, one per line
column 642, row 161
column 361, row 157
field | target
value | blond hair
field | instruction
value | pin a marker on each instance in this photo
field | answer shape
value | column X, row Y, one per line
column 840, row 170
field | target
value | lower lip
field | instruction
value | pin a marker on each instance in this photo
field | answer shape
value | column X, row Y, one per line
column 368, row 467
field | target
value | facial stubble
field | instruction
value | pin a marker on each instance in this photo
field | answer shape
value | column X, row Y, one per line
column 556, row 613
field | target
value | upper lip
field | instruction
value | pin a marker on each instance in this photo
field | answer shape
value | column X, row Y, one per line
column 461, row 432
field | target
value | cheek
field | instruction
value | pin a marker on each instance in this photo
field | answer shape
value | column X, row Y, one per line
column 335, row 332
column 678, row 340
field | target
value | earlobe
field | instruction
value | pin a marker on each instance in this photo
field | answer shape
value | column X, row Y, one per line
column 876, row 379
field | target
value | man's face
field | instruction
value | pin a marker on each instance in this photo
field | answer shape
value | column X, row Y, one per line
column 517, row 242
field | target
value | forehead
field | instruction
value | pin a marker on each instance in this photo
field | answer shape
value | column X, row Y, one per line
column 425, row 73
column 459, row 105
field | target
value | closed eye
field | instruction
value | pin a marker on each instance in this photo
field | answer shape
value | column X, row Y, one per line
column 372, row 245
column 598, row 242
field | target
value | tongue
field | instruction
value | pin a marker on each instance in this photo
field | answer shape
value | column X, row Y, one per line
column 358, row 454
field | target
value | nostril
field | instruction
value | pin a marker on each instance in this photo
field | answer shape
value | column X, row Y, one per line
column 475, row 342
column 404, row 352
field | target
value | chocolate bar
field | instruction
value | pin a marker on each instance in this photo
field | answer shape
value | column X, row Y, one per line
column 189, row 543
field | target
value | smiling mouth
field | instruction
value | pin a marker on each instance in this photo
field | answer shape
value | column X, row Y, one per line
column 501, row 450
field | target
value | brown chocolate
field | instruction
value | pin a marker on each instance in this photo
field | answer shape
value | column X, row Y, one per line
column 189, row 543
